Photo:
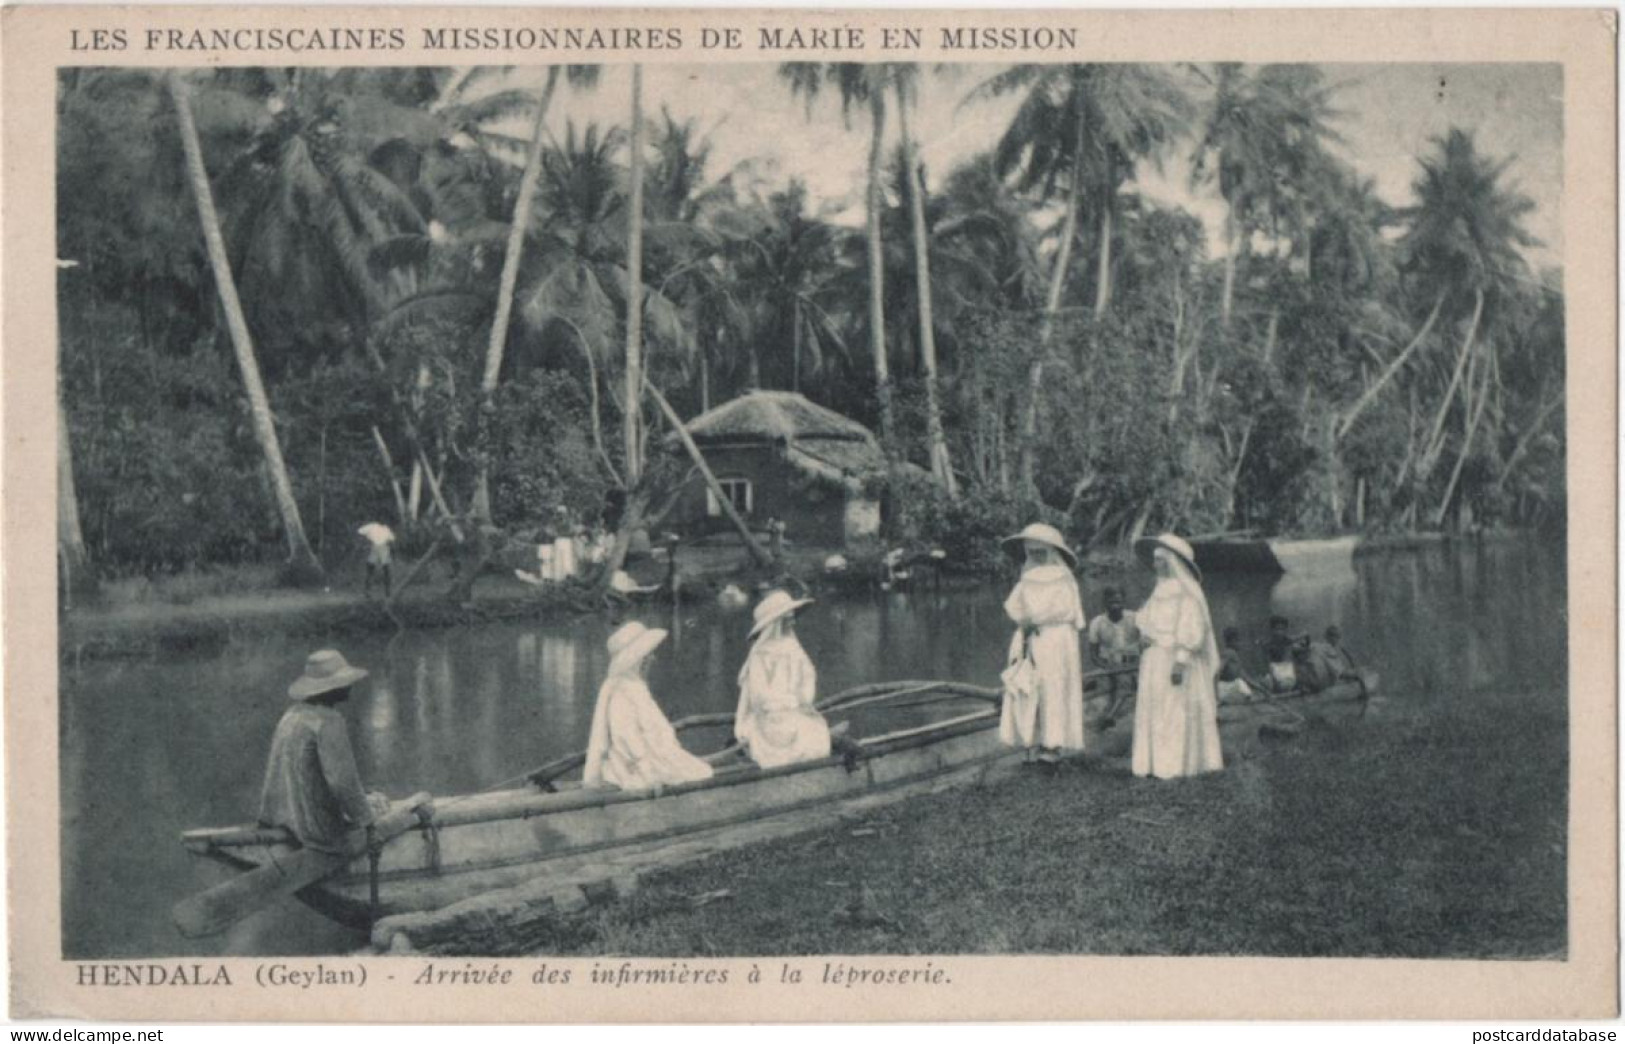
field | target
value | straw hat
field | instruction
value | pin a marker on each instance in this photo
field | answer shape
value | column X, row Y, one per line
column 775, row 605
column 1047, row 535
column 325, row 670
column 630, row 645
column 1146, row 545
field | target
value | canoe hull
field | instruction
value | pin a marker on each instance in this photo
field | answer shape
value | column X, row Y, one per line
column 484, row 842
column 1275, row 556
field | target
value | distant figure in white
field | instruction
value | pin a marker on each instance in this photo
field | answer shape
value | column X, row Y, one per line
column 564, row 565
column 1176, row 727
column 777, row 723
column 1043, row 679
column 632, row 746
column 379, row 537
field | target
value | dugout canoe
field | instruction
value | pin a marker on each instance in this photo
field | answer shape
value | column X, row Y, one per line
column 463, row 846
column 1275, row 556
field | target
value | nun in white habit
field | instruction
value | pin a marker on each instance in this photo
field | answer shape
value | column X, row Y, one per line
column 632, row 746
column 776, row 722
column 1043, row 700
column 1176, row 720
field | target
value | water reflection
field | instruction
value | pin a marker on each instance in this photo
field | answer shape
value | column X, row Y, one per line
column 151, row 748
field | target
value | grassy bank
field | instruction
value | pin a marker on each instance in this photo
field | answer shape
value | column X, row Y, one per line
column 1404, row 834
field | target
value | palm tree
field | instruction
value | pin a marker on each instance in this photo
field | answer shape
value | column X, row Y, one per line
column 786, row 274
column 304, row 208
column 905, row 85
column 1081, row 128
column 632, row 467
column 300, row 555
column 1263, row 144
column 1465, row 239
column 581, row 76
column 858, row 84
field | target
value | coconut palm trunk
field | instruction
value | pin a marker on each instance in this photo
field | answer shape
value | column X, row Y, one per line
column 505, row 291
column 1230, row 248
column 300, row 556
column 874, row 204
column 1046, row 328
column 70, row 538
column 1103, row 280
column 631, row 428
column 637, row 495
column 1370, row 394
column 936, row 437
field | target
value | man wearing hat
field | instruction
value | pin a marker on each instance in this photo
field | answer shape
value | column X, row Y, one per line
column 776, row 722
column 312, row 787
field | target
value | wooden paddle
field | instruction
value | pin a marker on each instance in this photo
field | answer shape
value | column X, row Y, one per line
column 216, row 909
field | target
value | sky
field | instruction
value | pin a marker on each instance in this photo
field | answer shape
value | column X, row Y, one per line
column 1391, row 112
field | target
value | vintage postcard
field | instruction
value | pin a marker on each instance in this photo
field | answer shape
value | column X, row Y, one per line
column 572, row 515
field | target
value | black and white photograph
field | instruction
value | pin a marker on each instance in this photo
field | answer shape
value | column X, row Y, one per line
column 676, row 510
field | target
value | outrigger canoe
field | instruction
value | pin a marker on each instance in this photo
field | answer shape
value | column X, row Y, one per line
column 458, row 847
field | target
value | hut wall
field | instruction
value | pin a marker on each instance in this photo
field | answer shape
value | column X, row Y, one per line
column 813, row 511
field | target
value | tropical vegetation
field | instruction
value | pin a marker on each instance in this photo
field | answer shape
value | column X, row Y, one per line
column 292, row 301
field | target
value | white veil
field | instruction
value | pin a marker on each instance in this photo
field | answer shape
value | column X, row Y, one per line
column 1192, row 587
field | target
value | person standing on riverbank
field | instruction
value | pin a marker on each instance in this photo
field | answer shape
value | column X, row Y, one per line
column 380, row 540
column 631, row 744
column 776, row 722
column 1176, row 720
column 1043, row 704
column 312, row 787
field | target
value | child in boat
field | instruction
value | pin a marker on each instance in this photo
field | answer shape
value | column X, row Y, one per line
column 1332, row 661
column 632, row 746
column 1043, row 704
column 1232, row 681
column 1114, row 641
column 777, row 723
column 1280, row 647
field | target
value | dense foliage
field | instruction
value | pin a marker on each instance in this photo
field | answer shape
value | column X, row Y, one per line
column 1334, row 364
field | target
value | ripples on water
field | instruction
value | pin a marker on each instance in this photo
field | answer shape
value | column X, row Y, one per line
column 152, row 748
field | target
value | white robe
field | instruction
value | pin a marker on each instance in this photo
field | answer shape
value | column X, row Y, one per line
column 564, row 558
column 1050, row 715
column 1176, row 727
column 776, row 721
column 632, row 746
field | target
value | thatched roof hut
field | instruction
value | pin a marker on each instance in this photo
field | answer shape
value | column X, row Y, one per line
column 779, row 455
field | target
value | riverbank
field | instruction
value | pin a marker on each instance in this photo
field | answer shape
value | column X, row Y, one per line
column 1438, row 833
column 209, row 611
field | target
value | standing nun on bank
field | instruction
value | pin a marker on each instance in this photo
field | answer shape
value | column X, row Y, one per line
column 1043, row 699
column 777, row 722
column 1176, row 721
column 632, row 745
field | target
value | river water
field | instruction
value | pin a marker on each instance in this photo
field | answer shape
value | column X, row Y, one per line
column 150, row 748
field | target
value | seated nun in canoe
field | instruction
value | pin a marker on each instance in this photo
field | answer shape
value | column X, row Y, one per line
column 777, row 723
column 632, row 746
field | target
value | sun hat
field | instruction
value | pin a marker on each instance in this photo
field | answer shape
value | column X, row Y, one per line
column 1049, row 536
column 631, row 644
column 325, row 670
column 1145, row 546
column 776, row 604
